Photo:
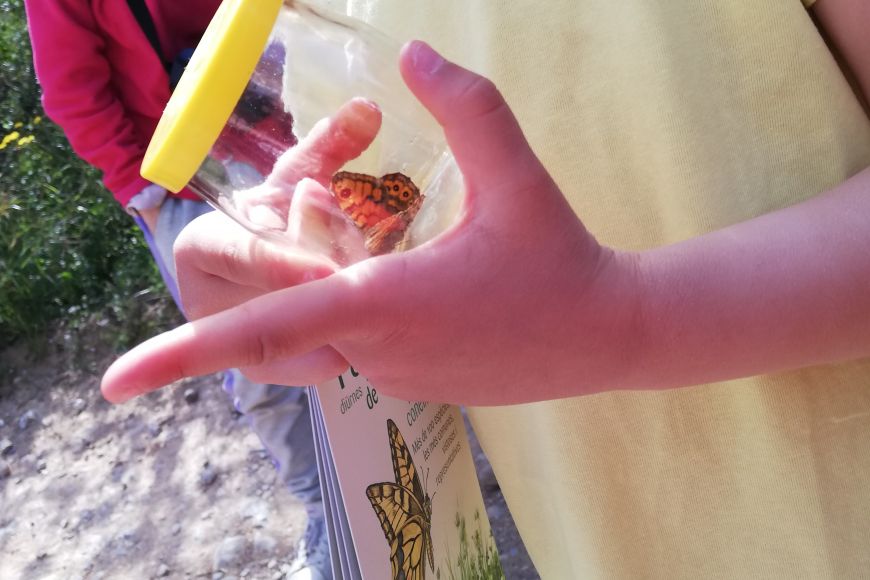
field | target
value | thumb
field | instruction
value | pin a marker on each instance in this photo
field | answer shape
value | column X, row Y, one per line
column 481, row 130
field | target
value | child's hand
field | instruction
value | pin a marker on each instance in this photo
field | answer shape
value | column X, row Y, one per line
column 516, row 302
column 221, row 265
column 294, row 203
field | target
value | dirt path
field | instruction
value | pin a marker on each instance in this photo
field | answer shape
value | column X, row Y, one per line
column 172, row 485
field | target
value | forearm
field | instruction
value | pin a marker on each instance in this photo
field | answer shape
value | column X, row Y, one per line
column 786, row 290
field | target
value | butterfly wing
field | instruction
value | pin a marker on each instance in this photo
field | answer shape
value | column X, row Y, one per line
column 398, row 191
column 403, row 464
column 382, row 208
column 407, row 477
column 404, row 527
column 388, row 234
column 404, row 511
column 360, row 196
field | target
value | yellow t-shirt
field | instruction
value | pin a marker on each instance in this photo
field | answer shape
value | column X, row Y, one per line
column 662, row 121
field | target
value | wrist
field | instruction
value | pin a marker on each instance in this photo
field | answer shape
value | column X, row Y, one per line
column 618, row 312
column 603, row 329
column 149, row 197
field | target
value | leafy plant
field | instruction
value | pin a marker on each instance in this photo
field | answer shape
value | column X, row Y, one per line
column 478, row 556
column 68, row 252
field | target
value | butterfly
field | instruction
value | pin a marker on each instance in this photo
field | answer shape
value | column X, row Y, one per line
column 405, row 513
column 382, row 208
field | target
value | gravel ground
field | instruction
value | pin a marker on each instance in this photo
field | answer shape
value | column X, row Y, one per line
column 172, row 485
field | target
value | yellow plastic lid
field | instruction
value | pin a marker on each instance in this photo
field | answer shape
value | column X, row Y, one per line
column 208, row 90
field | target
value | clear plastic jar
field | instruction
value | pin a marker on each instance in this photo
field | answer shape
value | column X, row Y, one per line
column 247, row 129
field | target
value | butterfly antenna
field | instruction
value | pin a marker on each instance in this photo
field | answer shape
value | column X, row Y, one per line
column 426, row 485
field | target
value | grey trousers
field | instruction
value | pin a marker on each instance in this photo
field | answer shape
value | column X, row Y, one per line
column 278, row 415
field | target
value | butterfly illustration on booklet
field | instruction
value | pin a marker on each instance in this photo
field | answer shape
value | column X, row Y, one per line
column 405, row 512
column 383, row 208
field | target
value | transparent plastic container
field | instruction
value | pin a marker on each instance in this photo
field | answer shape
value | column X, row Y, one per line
column 265, row 125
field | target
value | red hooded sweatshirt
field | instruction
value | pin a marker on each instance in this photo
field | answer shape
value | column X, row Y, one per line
column 103, row 83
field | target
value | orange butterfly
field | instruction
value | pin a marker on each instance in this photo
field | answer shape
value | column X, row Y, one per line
column 382, row 208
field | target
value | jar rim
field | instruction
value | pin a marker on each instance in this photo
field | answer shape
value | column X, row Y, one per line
column 208, row 91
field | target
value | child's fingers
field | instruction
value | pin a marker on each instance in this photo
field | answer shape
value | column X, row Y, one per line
column 330, row 144
column 480, row 128
column 221, row 265
column 275, row 327
column 316, row 224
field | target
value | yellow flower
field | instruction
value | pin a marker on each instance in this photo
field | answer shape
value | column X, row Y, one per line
column 13, row 136
column 25, row 140
column 37, row 120
column 18, row 125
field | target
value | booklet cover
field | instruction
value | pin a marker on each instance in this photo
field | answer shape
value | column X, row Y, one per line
column 400, row 490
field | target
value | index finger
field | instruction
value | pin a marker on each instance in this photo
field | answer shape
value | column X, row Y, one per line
column 273, row 327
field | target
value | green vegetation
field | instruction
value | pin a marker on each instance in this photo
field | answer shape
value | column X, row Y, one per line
column 478, row 556
column 69, row 256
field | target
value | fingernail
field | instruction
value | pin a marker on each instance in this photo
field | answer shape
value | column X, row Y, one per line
column 425, row 60
column 360, row 110
column 366, row 102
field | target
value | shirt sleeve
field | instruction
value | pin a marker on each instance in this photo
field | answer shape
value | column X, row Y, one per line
column 77, row 91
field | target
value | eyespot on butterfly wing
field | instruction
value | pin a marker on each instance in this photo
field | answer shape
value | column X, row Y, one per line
column 383, row 208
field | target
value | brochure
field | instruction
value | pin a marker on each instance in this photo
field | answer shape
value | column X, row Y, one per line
column 400, row 490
